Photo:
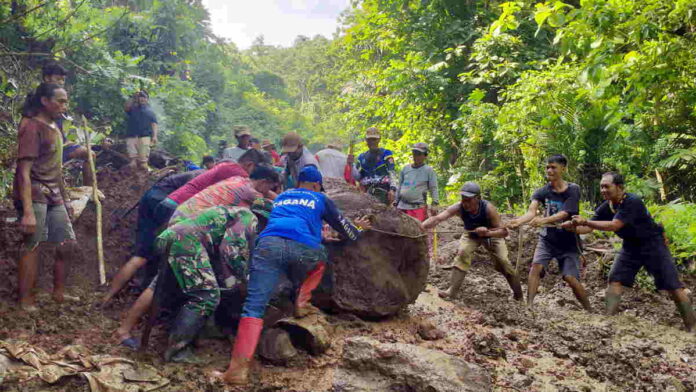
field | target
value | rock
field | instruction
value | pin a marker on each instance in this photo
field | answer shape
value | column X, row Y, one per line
column 5, row 366
column 308, row 333
column 276, row 347
column 428, row 331
column 380, row 273
column 488, row 345
column 369, row 365
column 527, row 363
column 521, row 381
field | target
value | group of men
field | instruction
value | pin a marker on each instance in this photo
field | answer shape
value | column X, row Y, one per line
column 253, row 216
column 644, row 243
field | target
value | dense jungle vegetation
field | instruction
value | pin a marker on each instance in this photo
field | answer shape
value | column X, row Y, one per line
column 494, row 87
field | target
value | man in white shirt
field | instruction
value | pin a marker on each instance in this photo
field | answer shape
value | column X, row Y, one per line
column 243, row 135
column 332, row 161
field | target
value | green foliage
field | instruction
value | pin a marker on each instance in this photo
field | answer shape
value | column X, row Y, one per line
column 679, row 221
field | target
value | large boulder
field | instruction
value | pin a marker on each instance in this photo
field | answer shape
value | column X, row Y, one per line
column 384, row 270
column 369, row 365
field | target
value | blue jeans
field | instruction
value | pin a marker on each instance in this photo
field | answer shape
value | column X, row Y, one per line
column 273, row 258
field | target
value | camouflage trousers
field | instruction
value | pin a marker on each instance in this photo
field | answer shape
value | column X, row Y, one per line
column 193, row 270
column 191, row 243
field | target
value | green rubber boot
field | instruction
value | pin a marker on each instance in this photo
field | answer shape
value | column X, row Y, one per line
column 688, row 315
column 456, row 280
column 612, row 302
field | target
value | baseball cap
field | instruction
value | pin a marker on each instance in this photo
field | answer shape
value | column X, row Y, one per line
column 309, row 174
column 241, row 130
column 470, row 189
column 291, row 142
column 422, row 147
column 266, row 143
column 372, row 133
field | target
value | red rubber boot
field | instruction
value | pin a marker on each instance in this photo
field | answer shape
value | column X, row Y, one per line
column 303, row 306
column 248, row 335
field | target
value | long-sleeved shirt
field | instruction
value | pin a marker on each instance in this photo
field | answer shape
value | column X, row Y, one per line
column 414, row 185
column 376, row 169
column 175, row 181
column 234, row 191
column 219, row 172
column 294, row 166
column 298, row 213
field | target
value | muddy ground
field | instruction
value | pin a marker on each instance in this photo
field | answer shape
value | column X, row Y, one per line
column 556, row 347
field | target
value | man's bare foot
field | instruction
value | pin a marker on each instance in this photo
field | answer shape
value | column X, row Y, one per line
column 229, row 379
column 31, row 308
column 444, row 294
column 60, row 298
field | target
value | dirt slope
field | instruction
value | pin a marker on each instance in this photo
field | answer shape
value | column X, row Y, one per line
column 557, row 347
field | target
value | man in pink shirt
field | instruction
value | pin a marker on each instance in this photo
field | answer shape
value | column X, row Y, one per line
column 236, row 191
column 219, row 172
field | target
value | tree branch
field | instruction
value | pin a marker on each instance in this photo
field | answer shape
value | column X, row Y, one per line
column 80, row 68
column 61, row 23
column 89, row 37
column 10, row 19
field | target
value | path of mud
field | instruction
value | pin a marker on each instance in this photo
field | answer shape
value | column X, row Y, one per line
column 556, row 347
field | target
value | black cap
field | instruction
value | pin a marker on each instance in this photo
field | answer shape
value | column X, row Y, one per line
column 470, row 189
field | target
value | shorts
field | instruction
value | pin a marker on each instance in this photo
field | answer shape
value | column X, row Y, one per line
column 52, row 225
column 67, row 150
column 652, row 254
column 138, row 148
column 419, row 213
column 568, row 259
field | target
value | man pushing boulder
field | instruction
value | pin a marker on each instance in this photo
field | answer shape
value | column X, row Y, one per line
column 290, row 245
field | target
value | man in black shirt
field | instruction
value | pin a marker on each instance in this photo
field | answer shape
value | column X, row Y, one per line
column 643, row 246
column 141, row 129
column 147, row 228
column 482, row 221
column 560, row 200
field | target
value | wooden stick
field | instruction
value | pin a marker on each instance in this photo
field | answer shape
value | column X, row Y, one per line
column 663, row 194
column 97, row 203
column 435, row 246
column 519, row 249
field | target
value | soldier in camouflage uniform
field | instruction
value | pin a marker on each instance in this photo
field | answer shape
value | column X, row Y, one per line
column 229, row 230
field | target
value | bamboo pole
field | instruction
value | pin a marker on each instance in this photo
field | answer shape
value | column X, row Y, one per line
column 435, row 240
column 663, row 194
column 97, row 203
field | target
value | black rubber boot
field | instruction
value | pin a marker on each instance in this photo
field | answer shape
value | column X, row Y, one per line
column 185, row 329
column 688, row 315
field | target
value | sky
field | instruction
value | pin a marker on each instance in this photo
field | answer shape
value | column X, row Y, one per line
column 279, row 21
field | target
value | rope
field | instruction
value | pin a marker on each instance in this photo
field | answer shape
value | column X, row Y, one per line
column 398, row 234
column 436, row 232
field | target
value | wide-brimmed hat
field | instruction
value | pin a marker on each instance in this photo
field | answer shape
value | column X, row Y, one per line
column 291, row 142
column 241, row 130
